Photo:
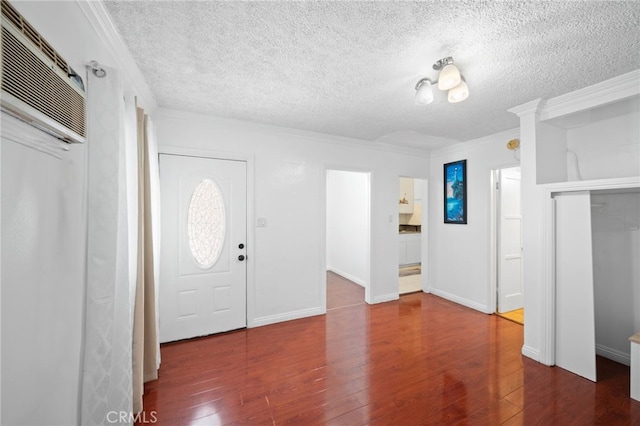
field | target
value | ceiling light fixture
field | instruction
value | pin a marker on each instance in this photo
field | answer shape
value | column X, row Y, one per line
column 424, row 92
column 449, row 79
column 458, row 93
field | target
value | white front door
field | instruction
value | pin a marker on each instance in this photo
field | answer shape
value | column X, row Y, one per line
column 202, row 288
column 510, row 295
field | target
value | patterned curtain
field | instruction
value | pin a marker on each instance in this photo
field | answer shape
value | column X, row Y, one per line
column 106, row 379
column 121, row 349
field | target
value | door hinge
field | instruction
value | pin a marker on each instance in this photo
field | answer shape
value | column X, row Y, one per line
column 497, row 185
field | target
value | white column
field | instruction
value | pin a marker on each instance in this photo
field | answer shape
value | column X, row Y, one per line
column 536, row 329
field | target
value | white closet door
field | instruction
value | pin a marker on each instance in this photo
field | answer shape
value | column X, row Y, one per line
column 575, row 319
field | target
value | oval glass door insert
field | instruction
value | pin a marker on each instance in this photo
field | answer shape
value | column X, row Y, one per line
column 206, row 223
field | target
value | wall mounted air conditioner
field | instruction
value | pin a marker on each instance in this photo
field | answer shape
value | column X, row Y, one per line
column 38, row 86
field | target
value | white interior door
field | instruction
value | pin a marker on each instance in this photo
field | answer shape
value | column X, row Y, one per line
column 202, row 286
column 575, row 318
column 510, row 295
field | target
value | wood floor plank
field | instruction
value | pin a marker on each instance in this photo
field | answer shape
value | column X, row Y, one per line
column 418, row 360
column 342, row 292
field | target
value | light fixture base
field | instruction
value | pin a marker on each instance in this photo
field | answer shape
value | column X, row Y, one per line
column 441, row 63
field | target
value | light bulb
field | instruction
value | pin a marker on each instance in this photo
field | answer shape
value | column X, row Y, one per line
column 458, row 93
column 424, row 93
column 449, row 77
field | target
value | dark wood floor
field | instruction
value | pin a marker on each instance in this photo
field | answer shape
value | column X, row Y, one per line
column 341, row 292
column 419, row 360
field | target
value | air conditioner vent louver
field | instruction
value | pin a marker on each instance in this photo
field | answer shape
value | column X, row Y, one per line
column 36, row 83
column 11, row 14
column 25, row 28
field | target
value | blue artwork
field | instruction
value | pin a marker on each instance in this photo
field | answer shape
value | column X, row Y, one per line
column 455, row 192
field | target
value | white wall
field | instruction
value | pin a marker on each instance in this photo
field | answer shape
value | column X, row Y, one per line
column 551, row 154
column 289, row 191
column 615, row 222
column 43, row 242
column 459, row 255
column 608, row 145
column 348, row 225
column 43, row 238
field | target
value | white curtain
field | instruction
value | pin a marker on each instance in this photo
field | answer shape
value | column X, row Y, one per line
column 106, row 381
column 119, row 205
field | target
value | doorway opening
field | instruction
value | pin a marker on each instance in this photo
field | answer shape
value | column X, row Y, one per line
column 507, row 220
column 411, row 229
column 348, row 238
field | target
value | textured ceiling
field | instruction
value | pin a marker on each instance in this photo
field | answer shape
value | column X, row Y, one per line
column 350, row 68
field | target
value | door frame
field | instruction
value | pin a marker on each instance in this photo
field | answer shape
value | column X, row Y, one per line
column 494, row 220
column 249, row 160
column 547, row 291
column 368, row 297
column 424, row 242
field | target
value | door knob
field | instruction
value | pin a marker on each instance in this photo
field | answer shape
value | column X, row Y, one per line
column 240, row 246
column 241, row 257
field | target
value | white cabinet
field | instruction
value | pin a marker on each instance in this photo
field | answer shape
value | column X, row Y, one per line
column 413, row 251
column 409, row 248
column 405, row 199
column 402, row 253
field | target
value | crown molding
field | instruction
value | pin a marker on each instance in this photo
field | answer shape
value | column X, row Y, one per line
column 476, row 144
column 249, row 126
column 608, row 91
column 101, row 22
column 530, row 107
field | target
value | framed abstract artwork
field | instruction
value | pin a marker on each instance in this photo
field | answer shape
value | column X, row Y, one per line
column 455, row 192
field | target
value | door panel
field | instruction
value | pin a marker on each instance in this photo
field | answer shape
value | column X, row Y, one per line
column 510, row 296
column 575, row 318
column 202, row 286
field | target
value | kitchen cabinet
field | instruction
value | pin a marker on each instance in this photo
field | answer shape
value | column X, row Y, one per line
column 405, row 199
column 409, row 248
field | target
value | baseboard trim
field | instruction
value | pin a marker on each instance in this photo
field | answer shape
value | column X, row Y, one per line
column 613, row 354
column 346, row 275
column 460, row 300
column 529, row 352
column 386, row 298
column 273, row 319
